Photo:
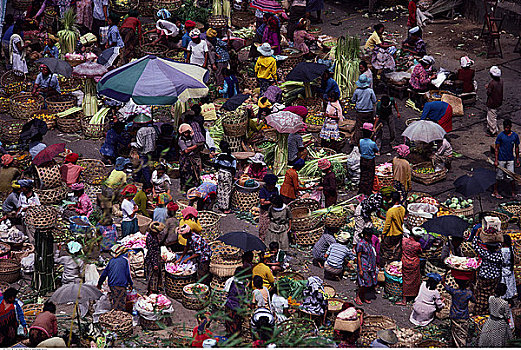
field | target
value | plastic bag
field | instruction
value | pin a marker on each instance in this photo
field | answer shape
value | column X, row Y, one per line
column 353, row 166
column 91, row 274
column 103, row 35
column 28, row 263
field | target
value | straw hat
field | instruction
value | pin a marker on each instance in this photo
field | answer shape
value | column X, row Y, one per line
column 388, row 336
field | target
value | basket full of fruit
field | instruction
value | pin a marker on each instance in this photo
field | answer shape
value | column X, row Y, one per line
column 426, row 174
column 24, row 104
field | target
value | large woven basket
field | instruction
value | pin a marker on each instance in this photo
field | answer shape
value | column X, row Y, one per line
column 235, row 126
column 427, row 179
column 195, row 301
column 467, row 250
column 155, row 49
column 181, row 337
column 47, row 116
column 292, row 60
column 433, row 253
column 94, row 171
column 217, row 288
column 94, row 131
column 393, row 289
column 4, row 103
column 12, row 83
column 245, row 198
column 249, row 83
column 302, row 220
column 24, row 104
column 53, row 195
column 217, row 21
column 49, row 176
column 11, row 130
column 119, row 322
column 41, row 216
column 431, row 268
column 385, row 180
column 25, row 251
column 211, row 224
column 505, row 218
column 469, row 211
column 305, row 203
column 221, row 269
column 60, row 103
column 333, row 220
column 68, row 85
column 155, row 325
column 415, row 220
column 174, row 284
column 234, row 142
column 309, row 237
column 170, row 5
column 222, row 252
column 70, row 123
column 242, row 19
column 9, row 270
column 513, row 208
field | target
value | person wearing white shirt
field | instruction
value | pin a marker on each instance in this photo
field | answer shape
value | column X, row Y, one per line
column 26, row 200
column 197, row 49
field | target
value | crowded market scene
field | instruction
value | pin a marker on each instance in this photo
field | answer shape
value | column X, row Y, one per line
column 260, row 173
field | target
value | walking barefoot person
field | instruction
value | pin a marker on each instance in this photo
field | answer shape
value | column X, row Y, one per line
column 366, row 257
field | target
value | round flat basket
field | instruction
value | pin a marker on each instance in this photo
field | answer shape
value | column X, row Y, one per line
column 393, row 289
column 11, row 130
column 309, row 237
column 53, row 195
column 94, row 131
column 155, row 49
column 211, row 224
column 49, row 176
column 12, row 82
column 9, row 270
column 41, row 216
column 116, row 321
column 174, row 284
column 24, row 104
column 60, row 103
column 427, row 178
column 94, row 171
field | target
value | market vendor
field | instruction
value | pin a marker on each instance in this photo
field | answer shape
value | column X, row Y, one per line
column 402, row 174
column 263, row 270
column 153, row 263
column 84, row 205
column 69, row 170
column 190, row 159
column 392, row 234
column 190, row 217
column 337, row 257
column 45, row 325
column 72, row 264
column 291, row 187
column 422, row 75
column 9, row 172
column 415, row 44
column 489, row 272
column 466, row 74
column 328, row 184
column 11, row 314
column 10, row 204
column 141, row 198
column 410, row 252
column 382, row 53
column 203, row 196
column 439, row 112
column 118, row 274
column 364, row 210
column 257, row 169
column 320, row 248
column 443, row 155
column 297, row 148
column 452, row 247
column 114, row 142
column 201, row 253
column 46, row 83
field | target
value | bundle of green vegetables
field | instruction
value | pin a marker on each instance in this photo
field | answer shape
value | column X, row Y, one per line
column 190, row 11
column 338, row 210
column 347, row 64
column 291, row 90
column 68, row 112
column 244, row 33
column 217, row 132
column 70, row 33
column 311, row 168
column 99, row 117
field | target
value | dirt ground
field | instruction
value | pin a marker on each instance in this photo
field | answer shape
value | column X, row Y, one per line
column 447, row 40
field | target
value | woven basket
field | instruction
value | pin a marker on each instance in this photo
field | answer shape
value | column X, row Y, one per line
column 310, row 237
column 155, row 325
column 49, row 176
column 292, row 60
column 12, row 83
column 155, row 49
column 170, row 5
column 68, row 85
column 174, row 284
column 57, row 104
column 70, row 123
column 427, row 179
column 249, row 83
column 433, row 253
column 119, row 322
column 11, row 130
column 431, row 268
column 514, row 208
column 25, row 251
column 195, row 302
column 302, row 220
column 385, row 180
column 222, row 252
column 333, row 220
column 223, row 270
column 94, row 131
column 50, row 120
column 467, row 250
column 217, row 288
column 304, row 203
column 242, row 19
column 181, row 338
column 217, row 21
column 92, row 192
column 211, row 224
column 24, row 104
column 393, row 289
column 505, row 218
column 94, row 171
column 53, row 195
column 234, row 142
column 4, row 103
column 31, row 311
column 415, row 220
column 41, row 216
column 245, row 198
column 371, row 325
column 235, row 126
column 314, row 104
column 9, row 270
column 463, row 211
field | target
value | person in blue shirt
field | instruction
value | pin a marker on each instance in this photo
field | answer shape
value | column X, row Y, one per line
column 189, row 25
column 46, row 83
column 50, row 50
column 328, row 84
column 506, row 142
column 113, row 36
column 368, row 152
column 230, row 84
column 118, row 274
column 439, row 112
column 10, row 314
column 459, row 311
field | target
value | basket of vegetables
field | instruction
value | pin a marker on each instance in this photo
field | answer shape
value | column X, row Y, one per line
column 12, row 82
column 11, row 130
column 119, row 322
column 68, row 85
column 513, row 208
column 96, row 126
column 235, row 124
column 47, row 116
column 60, row 103
column 426, row 174
column 459, row 206
column 24, row 104
column 195, row 296
column 418, row 213
column 94, row 171
column 4, row 103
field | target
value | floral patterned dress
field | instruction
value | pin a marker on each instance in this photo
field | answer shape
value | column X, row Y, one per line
column 368, row 262
column 152, row 260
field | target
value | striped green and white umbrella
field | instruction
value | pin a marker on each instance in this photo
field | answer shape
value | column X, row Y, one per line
column 152, row 80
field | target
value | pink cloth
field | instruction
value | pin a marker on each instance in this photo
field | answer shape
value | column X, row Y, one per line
column 84, row 205
column 419, row 78
column 298, row 110
column 46, row 322
column 189, row 210
column 299, row 40
column 375, row 241
column 70, row 173
column 403, row 150
column 257, row 174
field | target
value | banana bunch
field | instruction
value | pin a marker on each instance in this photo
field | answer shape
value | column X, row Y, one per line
column 68, row 37
column 409, row 103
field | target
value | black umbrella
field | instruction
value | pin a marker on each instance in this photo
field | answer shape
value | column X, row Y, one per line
column 306, row 72
column 56, row 66
column 475, row 183
column 108, row 56
column 243, row 240
column 234, row 102
column 32, row 128
column 447, row 225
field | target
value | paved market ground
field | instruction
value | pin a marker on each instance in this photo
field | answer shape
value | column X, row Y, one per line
column 447, row 41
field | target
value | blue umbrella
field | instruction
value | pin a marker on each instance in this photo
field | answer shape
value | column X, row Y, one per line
column 108, row 56
column 475, row 183
column 152, row 80
column 243, row 240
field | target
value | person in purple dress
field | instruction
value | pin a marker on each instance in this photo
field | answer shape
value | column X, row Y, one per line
column 367, row 271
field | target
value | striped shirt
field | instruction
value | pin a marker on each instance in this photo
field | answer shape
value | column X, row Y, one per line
column 337, row 254
column 320, row 248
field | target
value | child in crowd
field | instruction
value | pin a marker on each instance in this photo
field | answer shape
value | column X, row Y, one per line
column 261, row 294
column 230, row 84
column 459, row 312
column 50, row 50
column 161, row 212
column 277, row 259
column 161, row 181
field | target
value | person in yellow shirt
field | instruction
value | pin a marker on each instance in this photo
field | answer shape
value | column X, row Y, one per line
column 265, row 67
column 118, row 177
column 391, row 248
column 262, row 270
column 375, row 38
column 190, row 218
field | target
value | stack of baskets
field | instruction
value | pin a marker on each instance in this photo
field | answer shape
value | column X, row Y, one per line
column 119, row 322
column 211, row 224
column 24, row 104
column 70, row 122
column 245, row 198
column 60, row 103
column 306, row 228
column 427, row 178
column 195, row 296
column 51, row 190
column 174, row 284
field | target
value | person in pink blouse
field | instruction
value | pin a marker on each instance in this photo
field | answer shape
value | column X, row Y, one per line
column 69, row 170
column 300, row 36
column 271, row 35
column 422, row 75
column 84, row 205
column 257, row 170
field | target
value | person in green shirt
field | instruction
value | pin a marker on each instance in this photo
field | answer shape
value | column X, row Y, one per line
column 141, row 199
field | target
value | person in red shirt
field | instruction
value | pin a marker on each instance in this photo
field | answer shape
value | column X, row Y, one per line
column 70, row 172
column 131, row 33
column 411, row 21
column 466, row 74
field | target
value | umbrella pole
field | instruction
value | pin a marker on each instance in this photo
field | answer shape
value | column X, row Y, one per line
column 480, row 204
column 75, row 314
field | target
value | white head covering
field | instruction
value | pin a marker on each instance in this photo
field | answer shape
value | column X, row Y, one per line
column 414, row 30
column 195, row 32
column 167, row 28
column 427, row 60
column 465, row 62
column 265, row 50
column 495, row 71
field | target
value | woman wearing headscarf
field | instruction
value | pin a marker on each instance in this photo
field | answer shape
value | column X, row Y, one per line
column 328, row 183
column 69, row 170
column 402, row 169
column 427, row 302
column 411, row 250
column 257, row 169
column 190, row 159
column 8, row 173
column 129, row 224
column 466, row 74
column 84, row 205
column 266, row 192
column 271, row 35
column 10, row 314
column 226, row 165
column 153, row 264
column 280, row 223
column 17, row 50
column 296, row 12
column 422, row 75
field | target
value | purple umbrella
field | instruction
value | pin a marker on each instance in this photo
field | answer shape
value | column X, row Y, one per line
column 285, row 122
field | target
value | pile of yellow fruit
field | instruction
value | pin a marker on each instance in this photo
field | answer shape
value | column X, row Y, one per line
column 98, row 180
column 425, row 171
column 45, row 117
column 514, row 235
column 443, row 212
